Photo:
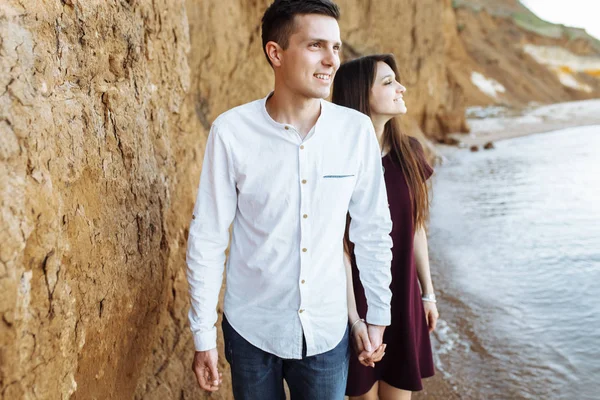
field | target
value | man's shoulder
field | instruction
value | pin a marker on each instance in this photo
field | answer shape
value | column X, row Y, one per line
column 349, row 124
column 348, row 114
column 234, row 115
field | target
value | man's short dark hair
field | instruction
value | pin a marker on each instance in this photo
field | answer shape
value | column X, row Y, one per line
column 278, row 19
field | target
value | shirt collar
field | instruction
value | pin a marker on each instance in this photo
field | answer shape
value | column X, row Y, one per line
column 271, row 121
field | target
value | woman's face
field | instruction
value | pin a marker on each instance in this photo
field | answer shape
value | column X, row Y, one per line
column 386, row 93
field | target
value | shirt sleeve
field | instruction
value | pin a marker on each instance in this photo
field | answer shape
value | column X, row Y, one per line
column 214, row 211
column 370, row 228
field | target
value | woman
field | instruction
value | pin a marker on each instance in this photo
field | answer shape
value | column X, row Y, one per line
column 369, row 84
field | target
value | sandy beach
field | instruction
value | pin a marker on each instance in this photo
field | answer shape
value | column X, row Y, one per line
column 490, row 124
column 436, row 388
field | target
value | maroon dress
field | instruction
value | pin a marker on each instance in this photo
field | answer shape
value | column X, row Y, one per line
column 408, row 356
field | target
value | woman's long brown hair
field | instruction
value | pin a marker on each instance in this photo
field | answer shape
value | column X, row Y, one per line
column 352, row 88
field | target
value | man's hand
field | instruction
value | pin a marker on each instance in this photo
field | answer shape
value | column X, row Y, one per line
column 376, row 335
column 369, row 358
column 205, row 368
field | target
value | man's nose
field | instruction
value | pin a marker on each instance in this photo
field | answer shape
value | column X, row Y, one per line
column 331, row 59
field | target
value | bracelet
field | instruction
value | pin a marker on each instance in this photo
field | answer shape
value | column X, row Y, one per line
column 356, row 322
column 429, row 297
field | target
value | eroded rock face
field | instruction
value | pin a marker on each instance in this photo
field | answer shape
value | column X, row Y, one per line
column 104, row 111
column 91, row 126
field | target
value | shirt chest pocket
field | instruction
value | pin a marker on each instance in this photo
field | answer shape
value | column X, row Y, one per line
column 337, row 186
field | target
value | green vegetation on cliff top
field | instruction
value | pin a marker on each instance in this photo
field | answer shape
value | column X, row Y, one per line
column 526, row 19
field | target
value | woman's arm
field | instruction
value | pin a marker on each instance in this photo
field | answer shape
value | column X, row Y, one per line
column 422, row 261
column 352, row 311
column 424, row 274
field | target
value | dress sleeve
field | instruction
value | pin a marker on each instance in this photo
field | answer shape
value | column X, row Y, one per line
column 418, row 149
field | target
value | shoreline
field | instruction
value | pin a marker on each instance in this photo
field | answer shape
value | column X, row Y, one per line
column 492, row 124
column 509, row 203
column 495, row 123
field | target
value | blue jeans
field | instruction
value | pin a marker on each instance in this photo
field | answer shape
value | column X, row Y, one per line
column 258, row 375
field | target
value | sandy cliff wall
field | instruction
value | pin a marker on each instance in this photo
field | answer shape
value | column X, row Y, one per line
column 91, row 115
column 529, row 59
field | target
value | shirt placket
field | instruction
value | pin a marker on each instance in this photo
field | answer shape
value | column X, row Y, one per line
column 305, row 183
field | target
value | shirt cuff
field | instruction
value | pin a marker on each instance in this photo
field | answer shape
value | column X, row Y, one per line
column 205, row 340
column 381, row 317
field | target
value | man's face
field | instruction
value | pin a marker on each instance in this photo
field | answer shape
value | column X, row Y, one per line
column 309, row 63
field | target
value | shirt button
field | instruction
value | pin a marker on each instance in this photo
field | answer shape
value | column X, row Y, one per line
column 287, row 128
column 194, row 217
column 304, row 250
column 303, row 281
column 304, row 181
column 301, row 147
column 301, row 311
column 305, row 216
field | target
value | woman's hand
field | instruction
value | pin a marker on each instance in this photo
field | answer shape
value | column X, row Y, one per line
column 431, row 314
column 361, row 342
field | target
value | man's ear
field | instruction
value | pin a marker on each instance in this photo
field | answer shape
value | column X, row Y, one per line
column 274, row 53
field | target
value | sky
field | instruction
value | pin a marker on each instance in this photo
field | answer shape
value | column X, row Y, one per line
column 577, row 13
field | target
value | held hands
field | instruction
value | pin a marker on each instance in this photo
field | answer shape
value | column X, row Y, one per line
column 367, row 341
column 205, row 368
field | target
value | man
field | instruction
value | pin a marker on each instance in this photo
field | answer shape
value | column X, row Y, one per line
column 285, row 170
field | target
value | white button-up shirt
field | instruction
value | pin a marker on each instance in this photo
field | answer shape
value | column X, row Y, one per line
column 287, row 198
